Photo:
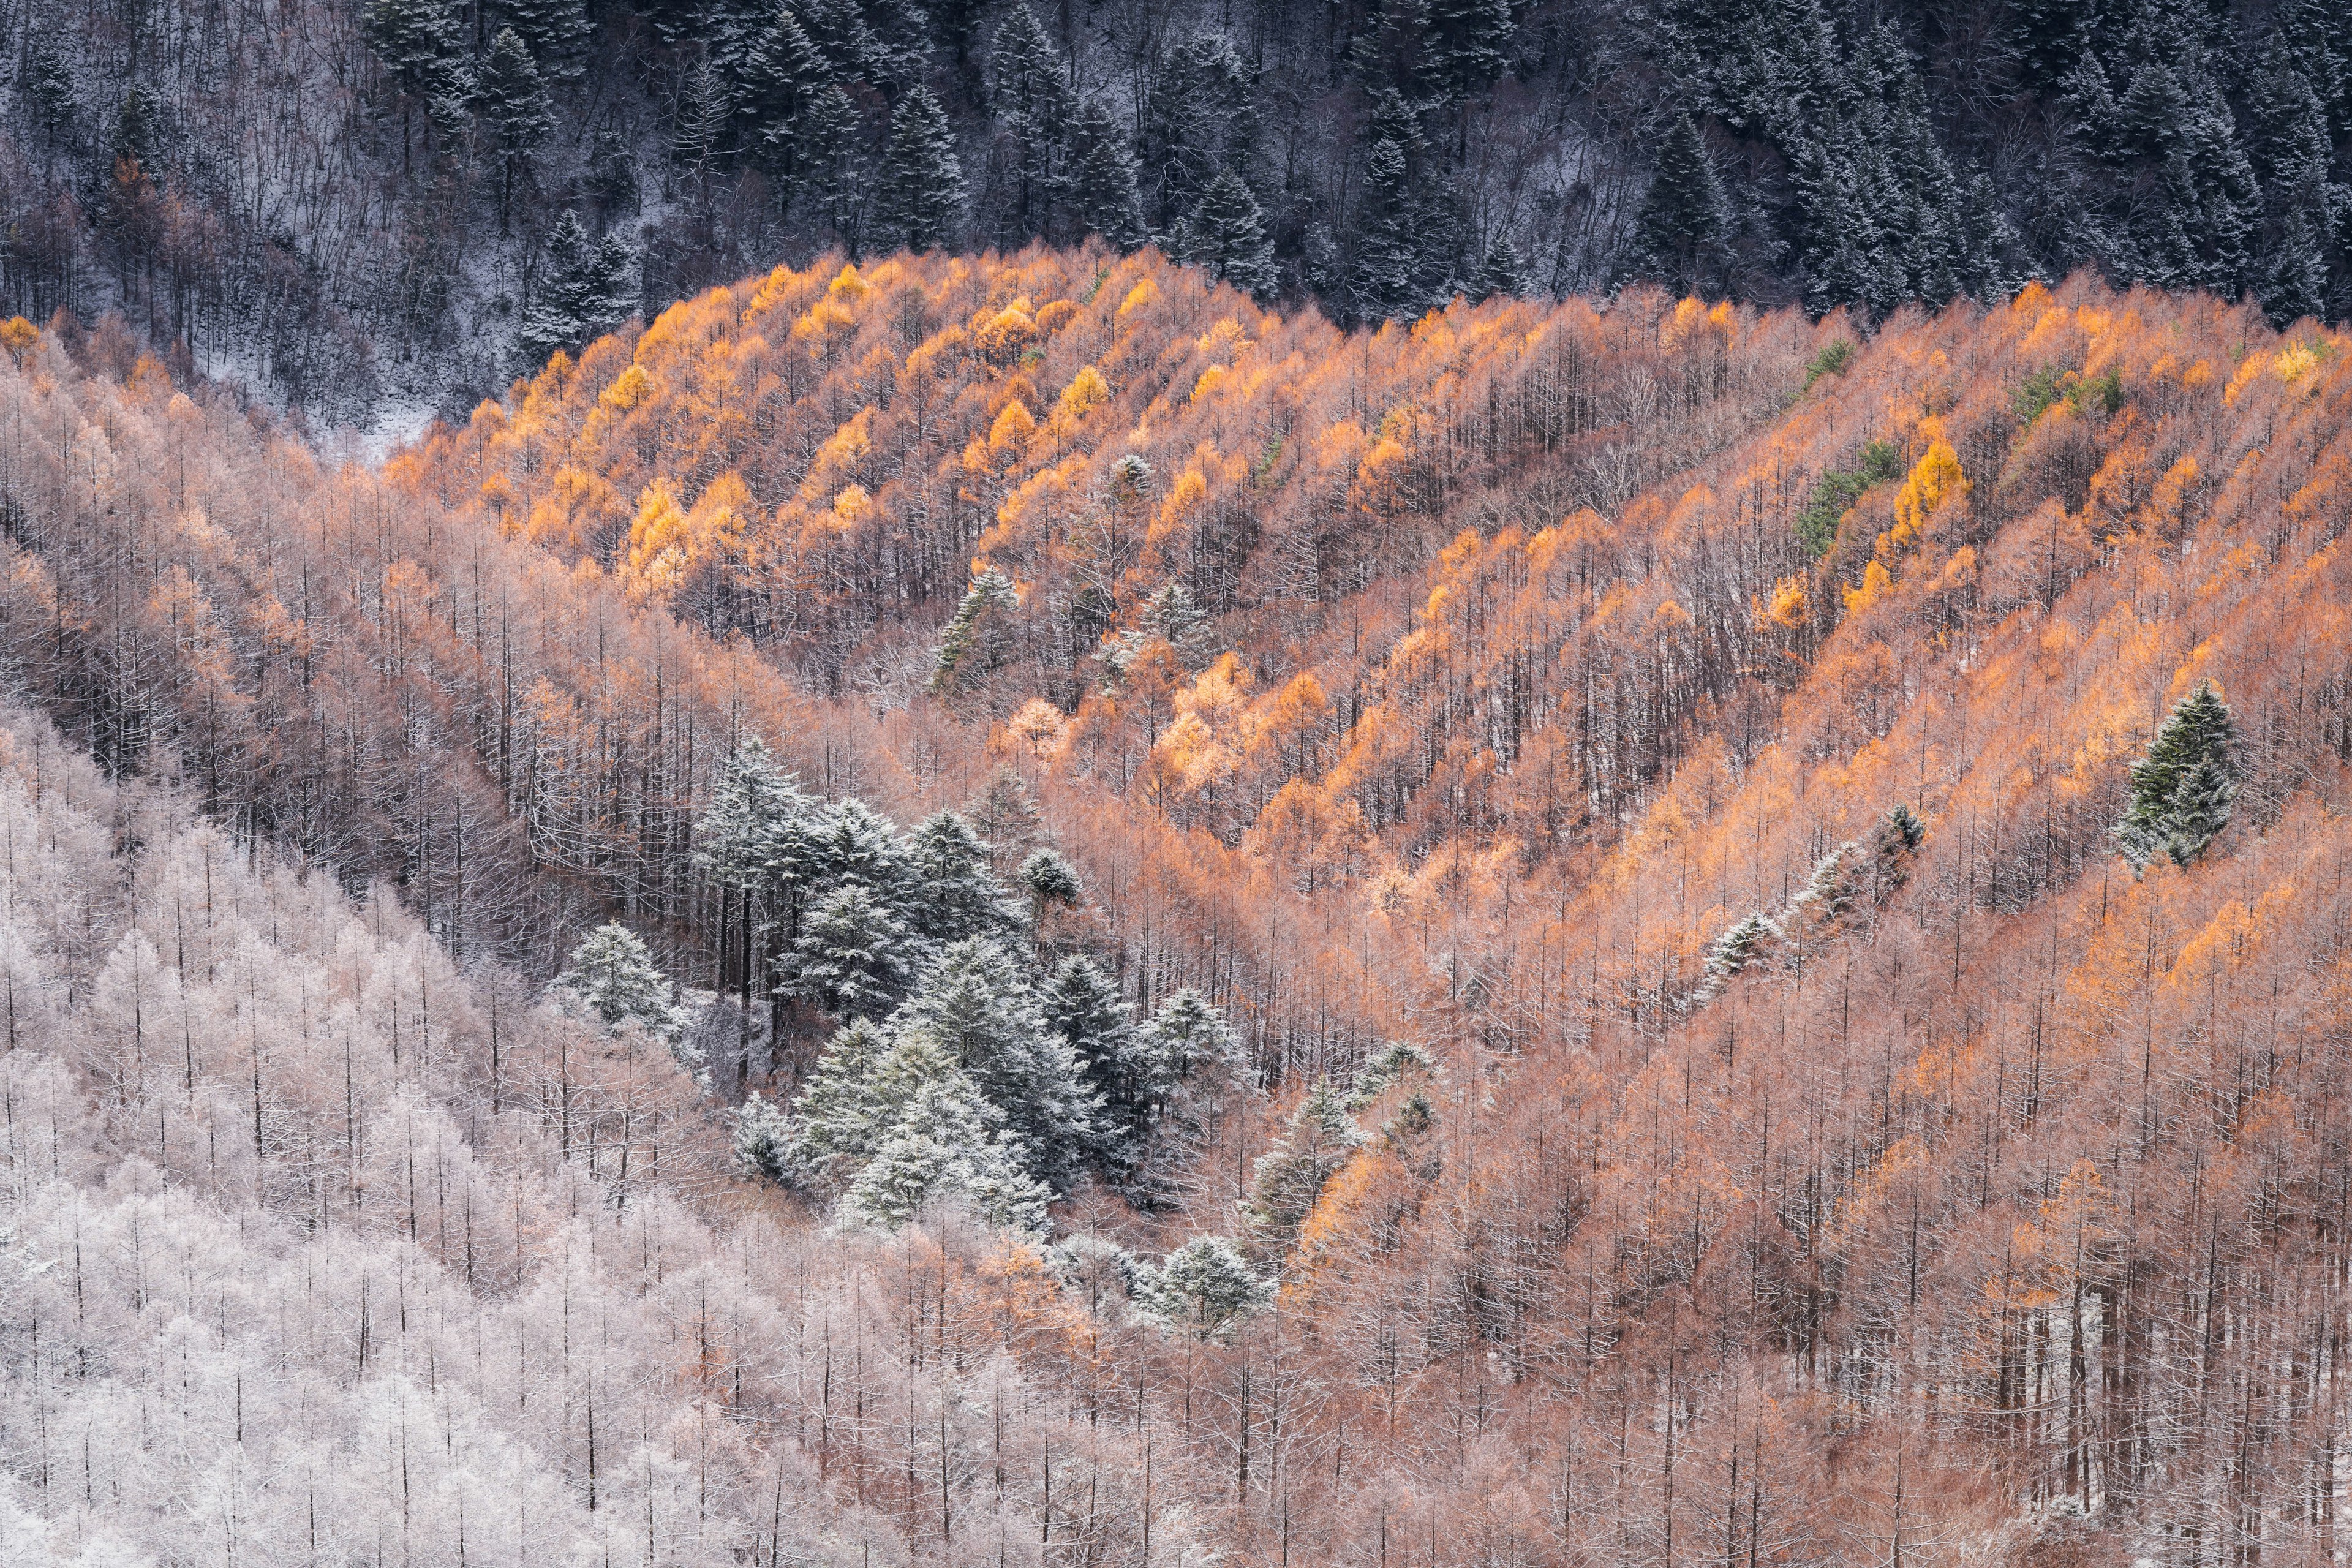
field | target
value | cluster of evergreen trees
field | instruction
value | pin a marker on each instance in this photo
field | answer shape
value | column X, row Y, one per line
column 964, row 1062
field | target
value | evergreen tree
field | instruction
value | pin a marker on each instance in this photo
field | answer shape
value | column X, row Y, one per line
column 2293, row 154
column 787, row 78
column 849, row 841
column 610, row 977
column 974, row 644
column 764, row 1141
column 1468, row 39
column 583, row 292
column 1680, row 234
column 1051, row 880
column 1123, row 1064
column 1103, row 198
column 1386, row 253
column 1033, row 111
column 840, row 1118
column 515, row 111
column 1504, row 271
column 1229, row 235
column 557, row 33
column 1204, row 1288
column 951, row 887
column 611, row 176
column 419, row 44
column 829, row 162
column 1188, row 1035
column 978, row 1010
column 2181, row 790
column 1199, row 121
column 851, row 957
column 1319, row 1140
column 919, row 200
column 943, row 1146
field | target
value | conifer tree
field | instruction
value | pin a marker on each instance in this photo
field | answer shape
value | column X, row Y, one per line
column 951, row 887
column 978, row 1010
column 1387, row 248
column 516, row 111
column 1123, row 1064
column 1204, row 1288
column 419, row 42
column 851, row 957
column 974, row 644
column 943, row 1146
column 849, row 841
column 1033, row 112
column 839, row 1118
column 1287, row 1180
column 764, row 1140
column 2182, row 789
column 1051, row 882
column 610, row 977
column 557, row 33
column 1229, row 235
column 584, row 291
column 1503, row 271
column 1680, row 234
column 1103, row 198
column 786, row 79
column 1469, row 37
column 1188, row 1035
column 919, row 200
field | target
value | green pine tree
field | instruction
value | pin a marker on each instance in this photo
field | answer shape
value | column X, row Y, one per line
column 1189, row 1035
column 764, row 1141
column 1051, row 880
column 1229, row 235
column 919, row 200
column 1123, row 1064
column 2181, row 789
column 1035, row 108
column 840, row 1118
column 1103, row 198
column 583, row 292
column 610, row 977
column 1319, row 1140
column 1204, row 1288
column 943, row 1146
column 851, row 958
column 1681, row 234
column 787, row 81
column 516, row 111
column 974, row 644
column 952, row 892
column 557, row 32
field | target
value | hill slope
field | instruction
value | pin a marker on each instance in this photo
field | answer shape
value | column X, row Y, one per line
column 1991, row 1193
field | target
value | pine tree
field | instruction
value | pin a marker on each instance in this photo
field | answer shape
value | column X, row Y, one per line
column 1319, row 1140
column 840, row 1118
column 849, row 841
column 851, row 958
column 1204, row 1288
column 2293, row 154
column 827, row 156
column 1504, row 270
column 584, row 291
column 1123, row 1064
column 1386, row 252
column 952, row 892
column 2181, row 791
column 1229, row 235
column 978, row 1010
column 942, row 1147
column 1681, row 233
column 1469, row 39
column 764, row 1141
column 1103, row 198
column 418, row 43
column 1051, row 880
column 1189, row 1035
column 787, row 79
column 919, row 200
column 1034, row 111
column 610, row 977
column 974, row 644
column 516, row 111
column 1199, row 121
column 557, row 32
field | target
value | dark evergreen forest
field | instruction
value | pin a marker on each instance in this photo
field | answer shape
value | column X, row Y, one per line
column 398, row 204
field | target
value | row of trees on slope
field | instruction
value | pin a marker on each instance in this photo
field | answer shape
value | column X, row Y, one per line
column 442, row 193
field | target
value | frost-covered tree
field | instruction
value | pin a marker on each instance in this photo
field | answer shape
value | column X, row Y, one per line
column 1051, row 881
column 978, row 1009
column 852, row 956
column 1123, row 1064
column 2182, row 789
column 517, row 114
column 919, row 200
column 1289, row 1178
column 840, row 1117
column 764, row 1140
column 610, row 977
column 1188, row 1035
column 944, row 1145
column 951, row 890
column 974, row 643
column 586, row 290
column 1205, row 1288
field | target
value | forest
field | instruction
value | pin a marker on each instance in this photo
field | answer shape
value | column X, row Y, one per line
column 368, row 211
column 1052, row 904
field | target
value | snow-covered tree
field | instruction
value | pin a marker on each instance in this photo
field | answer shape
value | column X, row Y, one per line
column 1205, row 1288
column 763, row 1138
column 852, row 955
column 610, row 977
column 1288, row 1179
column 951, row 890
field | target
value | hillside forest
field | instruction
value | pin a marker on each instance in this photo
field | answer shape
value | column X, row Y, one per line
column 370, row 211
column 1024, row 907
